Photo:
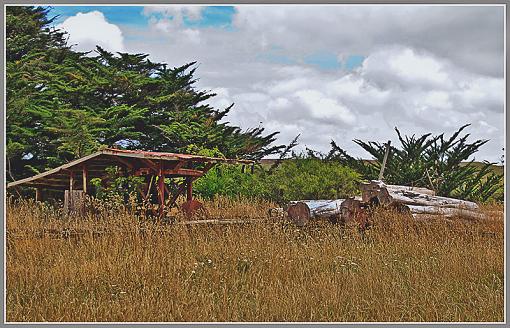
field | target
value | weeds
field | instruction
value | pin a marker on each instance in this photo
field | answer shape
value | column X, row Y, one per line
column 116, row 267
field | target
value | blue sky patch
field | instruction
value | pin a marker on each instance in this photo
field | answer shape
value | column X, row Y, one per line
column 213, row 16
column 124, row 15
column 327, row 61
column 353, row 61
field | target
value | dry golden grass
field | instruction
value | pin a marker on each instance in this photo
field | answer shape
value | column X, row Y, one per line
column 112, row 267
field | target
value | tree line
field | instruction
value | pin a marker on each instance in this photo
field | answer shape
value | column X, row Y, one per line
column 63, row 104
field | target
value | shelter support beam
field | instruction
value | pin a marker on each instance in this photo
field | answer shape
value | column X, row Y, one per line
column 189, row 189
column 161, row 191
column 85, row 174
column 71, row 180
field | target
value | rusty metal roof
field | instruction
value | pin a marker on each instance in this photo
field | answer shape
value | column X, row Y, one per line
column 171, row 156
column 96, row 163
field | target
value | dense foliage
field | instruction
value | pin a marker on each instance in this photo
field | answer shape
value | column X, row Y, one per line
column 63, row 104
column 434, row 162
column 294, row 179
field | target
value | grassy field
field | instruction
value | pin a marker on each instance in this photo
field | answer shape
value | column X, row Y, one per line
column 113, row 267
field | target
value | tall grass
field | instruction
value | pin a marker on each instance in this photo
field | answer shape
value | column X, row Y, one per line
column 115, row 267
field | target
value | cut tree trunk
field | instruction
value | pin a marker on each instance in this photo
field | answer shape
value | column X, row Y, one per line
column 444, row 211
column 300, row 212
column 379, row 193
column 420, row 190
column 354, row 210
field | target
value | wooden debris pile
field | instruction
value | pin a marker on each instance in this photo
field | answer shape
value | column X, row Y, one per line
column 421, row 203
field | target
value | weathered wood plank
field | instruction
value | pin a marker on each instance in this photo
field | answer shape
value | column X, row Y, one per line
column 184, row 172
column 221, row 221
column 85, row 178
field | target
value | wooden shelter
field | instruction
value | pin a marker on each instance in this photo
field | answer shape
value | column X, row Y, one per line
column 154, row 166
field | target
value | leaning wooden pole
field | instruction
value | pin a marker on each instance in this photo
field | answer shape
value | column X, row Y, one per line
column 386, row 153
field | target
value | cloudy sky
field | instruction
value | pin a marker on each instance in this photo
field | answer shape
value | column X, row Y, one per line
column 326, row 72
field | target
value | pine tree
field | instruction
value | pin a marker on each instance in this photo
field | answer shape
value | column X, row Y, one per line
column 62, row 104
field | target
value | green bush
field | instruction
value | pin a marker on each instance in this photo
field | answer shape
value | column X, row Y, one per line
column 297, row 178
column 293, row 179
column 229, row 180
column 311, row 178
column 119, row 185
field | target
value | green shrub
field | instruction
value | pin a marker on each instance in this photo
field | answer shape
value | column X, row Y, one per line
column 118, row 187
column 297, row 178
column 310, row 178
column 229, row 180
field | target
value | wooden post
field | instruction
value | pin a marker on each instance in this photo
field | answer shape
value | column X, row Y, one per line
column 148, row 190
column 161, row 191
column 85, row 178
column 384, row 160
column 38, row 197
column 71, row 180
column 189, row 190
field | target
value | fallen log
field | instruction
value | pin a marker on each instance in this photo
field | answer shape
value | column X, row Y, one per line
column 420, row 190
column 444, row 211
column 322, row 207
column 379, row 193
column 300, row 212
column 354, row 210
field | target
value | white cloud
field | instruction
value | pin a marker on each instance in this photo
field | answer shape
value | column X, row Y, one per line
column 193, row 35
column 426, row 69
column 471, row 36
column 86, row 30
column 402, row 65
column 327, row 110
column 176, row 12
column 170, row 19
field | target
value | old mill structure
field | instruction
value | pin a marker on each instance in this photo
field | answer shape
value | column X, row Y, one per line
column 74, row 177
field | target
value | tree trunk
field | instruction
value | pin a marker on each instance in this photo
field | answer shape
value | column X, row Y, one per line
column 300, row 212
column 445, row 211
column 379, row 193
